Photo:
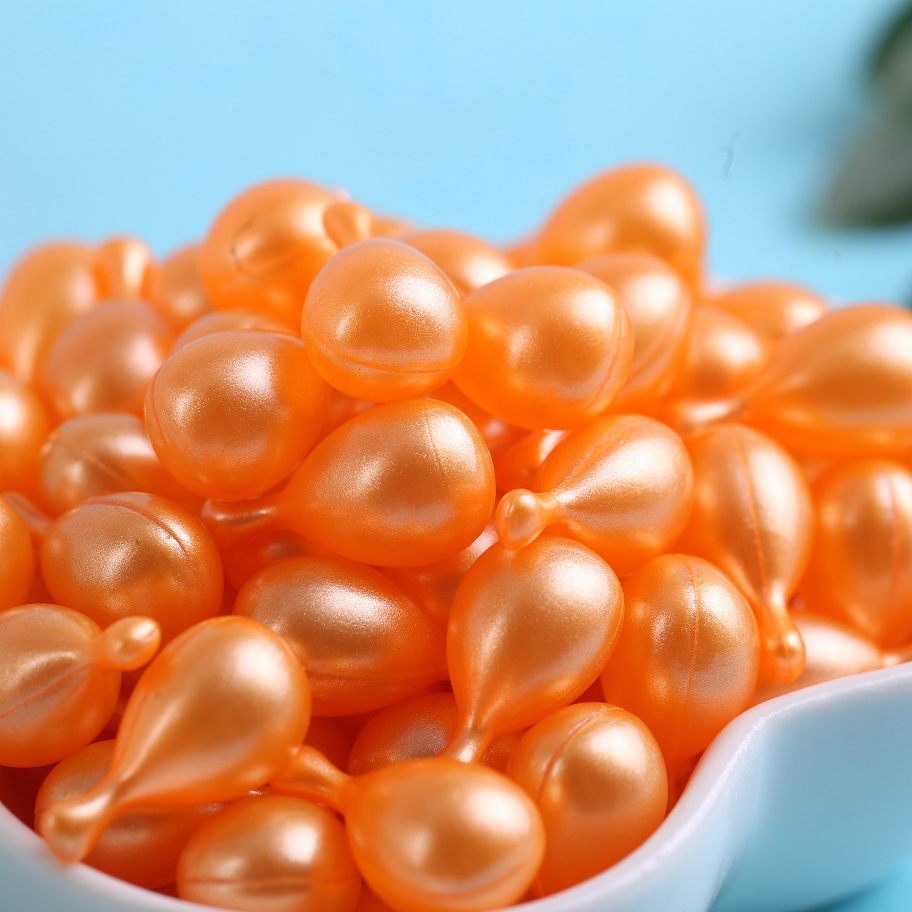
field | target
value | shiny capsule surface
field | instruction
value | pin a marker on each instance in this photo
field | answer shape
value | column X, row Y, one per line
column 467, row 261
column 17, row 557
column 176, row 290
column 23, row 429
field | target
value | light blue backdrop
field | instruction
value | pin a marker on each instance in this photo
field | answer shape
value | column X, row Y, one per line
column 146, row 117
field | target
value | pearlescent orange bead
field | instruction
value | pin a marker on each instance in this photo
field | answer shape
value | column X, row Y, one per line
column 771, row 310
column 271, row 854
column 176, row 290
column 687, row 660
column 623, row 485
column 232, row 414
column 46, row 289
column 597, row 775
column 141, row 846
column 123, row 268
column 548, row 348
column 841, row 386
column 363, row 644
column 265, row 247
column 643, row 208
column 529, row 631
column 417, row 727
column 658, row 304
column 60, row 678
column 860, row 571
column 467, row 261
column 104, row 453
column 23, row 429
column 104, row 360
column 834, row 650
column 218, row 712
column 227, row 321
column 126, row 552
column 382, row 322
column 17, row 558
column 401, row 485
column 753, row 518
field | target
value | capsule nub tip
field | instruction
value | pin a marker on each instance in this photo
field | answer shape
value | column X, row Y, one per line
column 521, row 518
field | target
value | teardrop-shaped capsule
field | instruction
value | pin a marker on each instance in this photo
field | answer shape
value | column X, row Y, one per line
column 105, row 453
column 753, row 518
column 123, row 268
column 265, row 247
column 598, row 778
column 143, row 845
column 467, row 261
column 382, row 322
column 23, row 429
column 401, row 485
column 61, row 678
column 430, row 835
column 860, row 571
column 687, row 659
column 548, row 347
column 833, row 649
column 420, row 726
column 642, row 208
column 623, row 485
column 771, row 310
column 271, row 853
column 658, row 304
column 116, row 554
column 104, row 360
column 220, row 711
column 529, row 631
column 176, row 290
column 363, row 644
column 47, row 288
column 840, row 387
column 17, row 557
column 232, row 414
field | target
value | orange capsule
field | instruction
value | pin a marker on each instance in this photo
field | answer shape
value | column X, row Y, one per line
column 23, row 429
column 124, row 268
column 116, row 554
column 176, row 290
column 598, row 777
column 265, row 247
column 517, row 466
column 104, row 360
column 401, row 485
column 47, row 288
column 834, row 650
column 839, row 387
column 363, row 644
column 753, row 517
column 420, row 726
column 271, row 854
column 60, row 678
column 104, row 453
column 227, row 321
column 141, row 846
column 771, row 310
column 260, row 552
column 548, row 348
column 860, row 571
column 529, row 631
column 623, row 485
column 218, row 712
column 430, row 835
column 347, row 222
column 467, row 261
column 687, row 660
column 642, row 208
column 17, row 558
column 382, row 322
column 658, row 304
column 233, row 414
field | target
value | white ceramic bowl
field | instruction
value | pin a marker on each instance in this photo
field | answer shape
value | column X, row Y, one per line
column 798, row 802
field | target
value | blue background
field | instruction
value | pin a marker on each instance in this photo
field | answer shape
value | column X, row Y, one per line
column 146, row 118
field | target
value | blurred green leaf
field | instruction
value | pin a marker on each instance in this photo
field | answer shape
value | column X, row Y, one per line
column 891, row 64
column 874, row 184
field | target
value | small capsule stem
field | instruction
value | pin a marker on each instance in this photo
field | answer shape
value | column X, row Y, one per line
column 522, row 516
column 310, row 775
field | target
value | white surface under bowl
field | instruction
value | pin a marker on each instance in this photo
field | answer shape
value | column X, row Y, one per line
column 798, row 802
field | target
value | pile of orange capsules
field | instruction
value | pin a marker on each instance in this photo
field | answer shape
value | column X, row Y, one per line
column 350, row 566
